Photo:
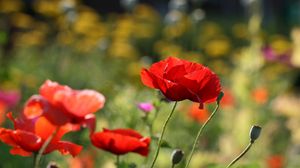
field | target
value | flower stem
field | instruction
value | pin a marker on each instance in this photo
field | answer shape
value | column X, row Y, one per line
column 241, row 154
column 118, row 161
column 43, row 148
column 173, row 166
column 162, row 134
column 199, row 133
column 34, row 158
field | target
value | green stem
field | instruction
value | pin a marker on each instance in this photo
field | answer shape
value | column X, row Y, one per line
column 34, row 158
column 43, row 148
column 162, row 134
column 199, row 133
column 173, row 166
column 118, row 161
column 241, row 154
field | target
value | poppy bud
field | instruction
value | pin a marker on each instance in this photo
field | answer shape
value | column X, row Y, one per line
column 219, row 98
column 52, row 165
column 176, row 156
column 254, row 132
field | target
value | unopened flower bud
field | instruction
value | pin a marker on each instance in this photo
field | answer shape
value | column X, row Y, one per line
column 219, row 98
column 176, row 156
column 254, row 132
column 52, row 165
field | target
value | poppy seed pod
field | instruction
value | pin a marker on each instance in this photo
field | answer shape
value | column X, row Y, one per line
column 176, row 156
column 254, row 132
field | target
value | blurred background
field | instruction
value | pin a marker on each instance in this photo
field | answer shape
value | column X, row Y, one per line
column 253, row 45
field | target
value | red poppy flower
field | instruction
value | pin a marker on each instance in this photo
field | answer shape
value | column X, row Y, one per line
column 121, row 141
column 77, row 105
column 179, row 79
column 32, row 129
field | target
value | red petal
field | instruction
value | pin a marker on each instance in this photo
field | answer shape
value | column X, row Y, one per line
column 10, row 116
column 90, row 122
column 49, row 90
column 144, row 150
column 204, row 84
column 171, row 62
column 64, row 148
column 19, row 151
column 147, row 79
column 175, row 73
column 27, row 140
column 5, row 137
column 44, row 128
column 127, row 132
column 171, row 90
column 38, row 105
column 119, row 144
column 81, row 103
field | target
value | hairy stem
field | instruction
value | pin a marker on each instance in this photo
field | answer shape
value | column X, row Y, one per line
column 241, row 154
column 199, row 134
column 38, row 156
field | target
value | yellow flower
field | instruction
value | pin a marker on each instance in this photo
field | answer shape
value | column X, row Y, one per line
column 47, row 7
column 22, row 20
column 240, row 30
column 217, row 47
column 145, row 12
column 124, row 28
column 179, row 24
column 7, row 6
column 86, row 21
column 296, row 46
column 122, row 49
column 32, row 38
column 280, row 44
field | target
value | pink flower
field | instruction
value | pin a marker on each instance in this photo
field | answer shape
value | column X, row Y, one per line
column 9, row 98
column 145, row 107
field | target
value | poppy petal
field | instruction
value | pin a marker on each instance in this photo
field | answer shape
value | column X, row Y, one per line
column 5, row 137
column 147, row 79
column 27, row 140
column 49, row 90
column 114, row 142
column 38, row 105
column 19, row 151
column 127, row 132
column 81, row 103
column 65, row 148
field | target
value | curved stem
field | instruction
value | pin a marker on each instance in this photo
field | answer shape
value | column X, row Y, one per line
column 241, row 154
column 162, row 134
column 199, row 133
column 173, row 166
column 43, row 148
